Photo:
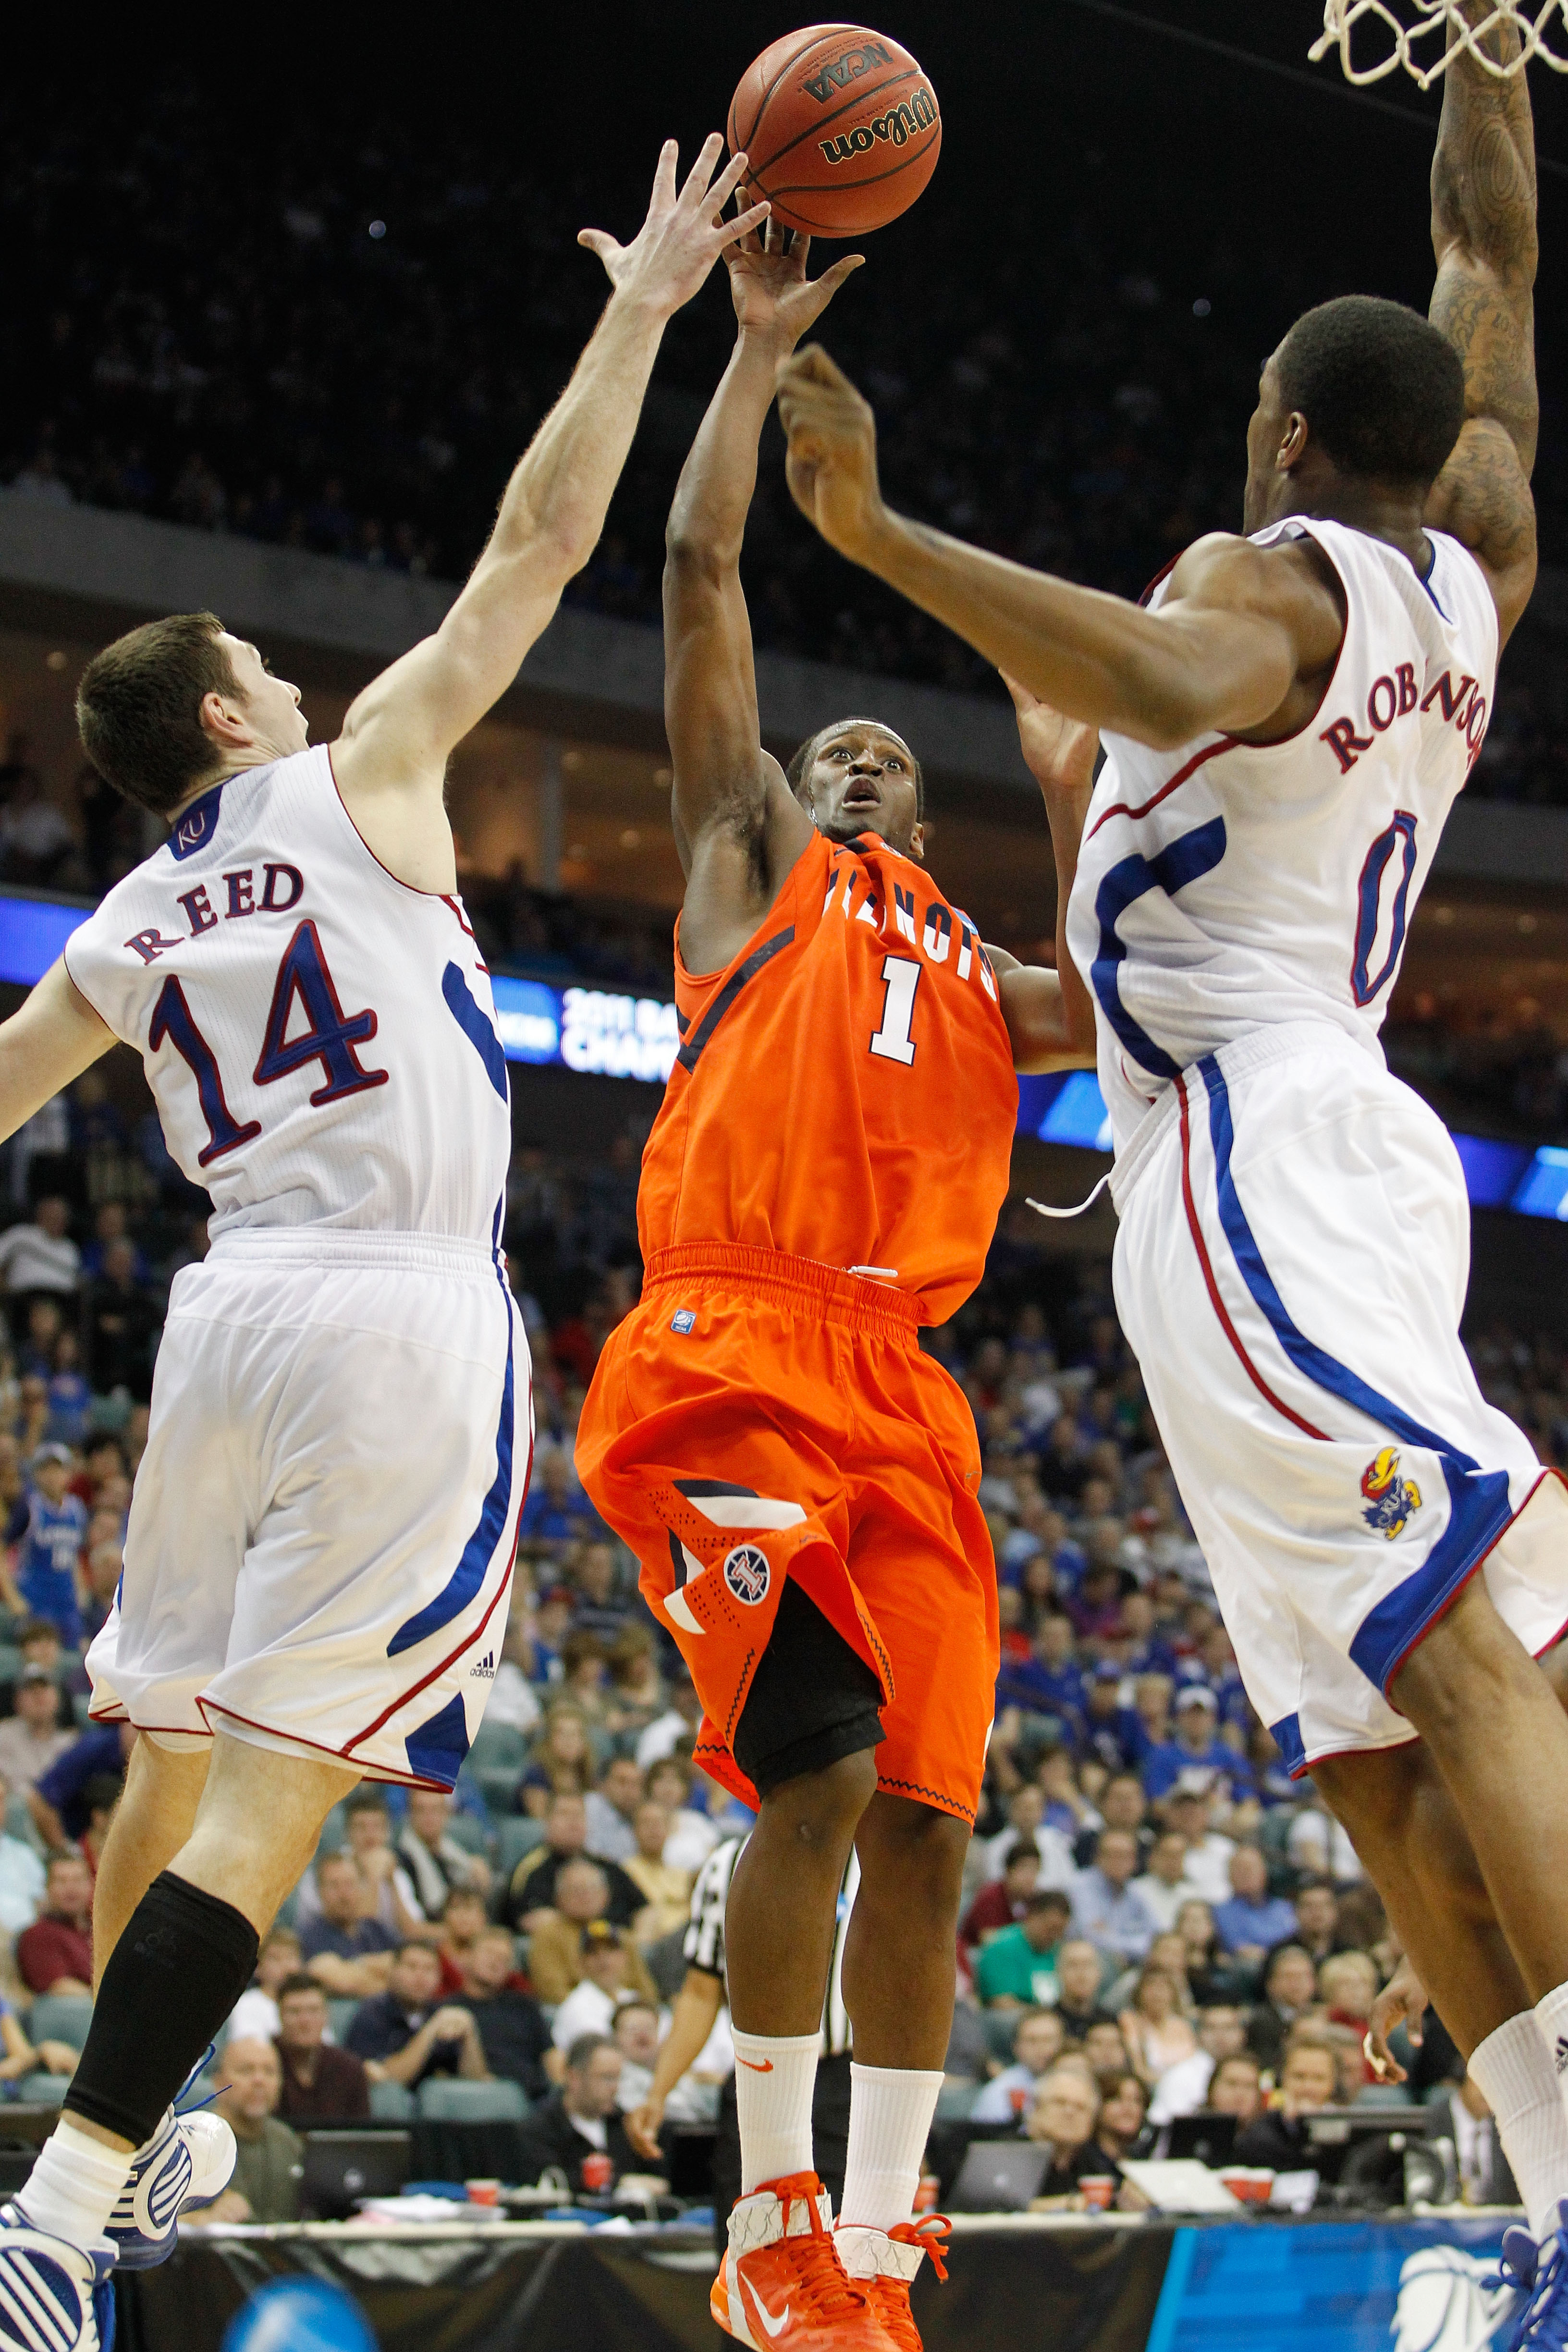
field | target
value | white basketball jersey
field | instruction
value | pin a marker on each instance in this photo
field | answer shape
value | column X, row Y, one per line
column 319, row 1038
column 1228, row 886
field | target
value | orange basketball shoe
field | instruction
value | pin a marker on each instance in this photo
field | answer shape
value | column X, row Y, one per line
column 882, row 2264
column 781, row 2286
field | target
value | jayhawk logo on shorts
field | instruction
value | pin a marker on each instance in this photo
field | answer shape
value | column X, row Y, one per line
column 1392, row 1501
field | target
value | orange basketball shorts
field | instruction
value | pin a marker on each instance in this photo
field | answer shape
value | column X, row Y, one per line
column 758, row 1420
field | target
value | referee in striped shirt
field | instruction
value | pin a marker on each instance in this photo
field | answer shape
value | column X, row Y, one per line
column 696, row 2012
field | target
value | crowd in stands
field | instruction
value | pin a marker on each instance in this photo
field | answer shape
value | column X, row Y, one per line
column 1157, row 1919
column 342, row 346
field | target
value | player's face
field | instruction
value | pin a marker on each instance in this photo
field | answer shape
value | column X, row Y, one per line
column 863, row 781
column 271, row 704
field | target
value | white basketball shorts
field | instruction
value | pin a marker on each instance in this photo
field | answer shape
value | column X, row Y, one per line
column 323, row 1529
column 1291, row 1268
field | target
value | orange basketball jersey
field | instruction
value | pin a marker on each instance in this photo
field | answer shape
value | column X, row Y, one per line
column 844, row 1089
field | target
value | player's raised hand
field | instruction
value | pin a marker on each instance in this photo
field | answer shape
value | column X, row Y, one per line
column 1058, row 750
column 831, row 465
column 775, row 300
column 684, row 233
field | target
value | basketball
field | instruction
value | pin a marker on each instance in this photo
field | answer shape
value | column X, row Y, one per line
column 840, row 126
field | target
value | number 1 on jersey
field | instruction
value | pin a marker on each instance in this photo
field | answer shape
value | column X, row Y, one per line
column 900, row 977
column 172, row 1019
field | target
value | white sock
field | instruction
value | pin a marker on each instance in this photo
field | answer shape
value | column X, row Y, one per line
column 775, row 2075
column 1514, row 2069
column 890, row 2111
column 73, row 2188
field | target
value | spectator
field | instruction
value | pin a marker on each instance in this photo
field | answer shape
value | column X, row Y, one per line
column 1190, row 1810
column 1347, row 1986
column 581, row 2119
column 120, row 1318
column 1236, row 2089
column 638, row 1693
column 55, row 1954
column 1290, row 1990
column 349, row 1956
column 1184, row 2088
column 386, row 1889
column 269, row 2159
column 1018, row 1967
column 47, row 1527
column 1157, row 2035
column 1252, row 1920
column 512, row 2031
column 560, row 1764
column 1122, row 1806
column 1485, row 2178
column 255, row 2014
column 58, row 1800
column 1106, row 1911
column 1164, row 1886
column 1195, row 1745
column 533, row 1891
column 599, row 1610
column 406, row 2033
column 635, row 2032
column 463, row 1918
column 1308, row 2082
column 1003, row 1902
column 1027, row 1818
column 1080, row 1976
column 693, row 1834
column 667, row 1887
column 605, row 1955
column 22, row 1880
column 32, row 1739
column 1210, row 1975
column 321, row 2085
column 1063, row 2117
column 1037, row 2042
column 1123, row 2126
column 432, row 1857
column 612, row 1811
column 1103, row 2050
column 1317, row 1921
column 39, row 1258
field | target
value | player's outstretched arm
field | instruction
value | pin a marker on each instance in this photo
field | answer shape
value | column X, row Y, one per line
column 726, row 787
column 1051, row 1014
column 47, row 1042
column 1241, row 641
column 1484, row 236
column 399, row 731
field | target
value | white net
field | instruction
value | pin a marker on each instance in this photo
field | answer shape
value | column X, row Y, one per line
column 1375, row 38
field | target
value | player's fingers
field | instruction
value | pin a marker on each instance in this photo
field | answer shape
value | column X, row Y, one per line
column 701, row 171
column 734, row 173
column 726, row 232
column 832, row 279
column 599, row 241
column 664, row 177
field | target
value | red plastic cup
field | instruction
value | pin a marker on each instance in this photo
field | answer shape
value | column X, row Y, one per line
column 1098, row 2190
column 483, row 2192
column 598, row 2173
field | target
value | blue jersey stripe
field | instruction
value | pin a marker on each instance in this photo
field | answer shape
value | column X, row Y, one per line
column 481, row 1549
column 477, row 1026
column 1478, row 1504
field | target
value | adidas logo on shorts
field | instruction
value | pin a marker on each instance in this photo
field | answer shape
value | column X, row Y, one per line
column 1561, row 2055
column 486, row 1667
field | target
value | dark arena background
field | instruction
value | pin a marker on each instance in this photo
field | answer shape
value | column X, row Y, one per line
column 283, row 303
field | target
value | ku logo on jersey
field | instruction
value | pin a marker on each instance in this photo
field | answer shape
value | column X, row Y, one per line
column 1392, row 1501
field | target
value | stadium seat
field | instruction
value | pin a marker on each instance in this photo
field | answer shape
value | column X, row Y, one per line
column 497, row 1761
column 518, row 1835
column 20, row 1824
column 81, row 1707
column 447, row 2100
column 61, row 2017
column 340, row 2017
column 466, row 1831
column 390, row 2103
column 43, row 2090
column 1000, row 2024
column 10, row 1661
column 954, row 2100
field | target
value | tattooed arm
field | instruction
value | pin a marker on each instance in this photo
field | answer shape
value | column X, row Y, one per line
column 1483, row 231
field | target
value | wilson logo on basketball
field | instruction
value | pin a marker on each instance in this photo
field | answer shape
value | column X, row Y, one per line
column 830, row 78
column 746, row 1574
column 904, row 121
